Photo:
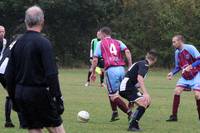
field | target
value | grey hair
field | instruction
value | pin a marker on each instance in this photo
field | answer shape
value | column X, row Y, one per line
column 34, row 16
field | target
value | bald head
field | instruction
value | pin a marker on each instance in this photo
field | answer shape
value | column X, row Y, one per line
column 34, row 17
column 2, row 32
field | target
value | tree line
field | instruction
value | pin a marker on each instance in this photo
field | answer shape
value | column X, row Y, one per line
column 140, row 24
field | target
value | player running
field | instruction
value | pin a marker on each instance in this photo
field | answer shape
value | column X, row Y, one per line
column 129, row 88
column 187, row 59
column 100, row 61
column 110, row 49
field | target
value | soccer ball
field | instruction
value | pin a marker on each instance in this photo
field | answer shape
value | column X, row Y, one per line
column 83, row 116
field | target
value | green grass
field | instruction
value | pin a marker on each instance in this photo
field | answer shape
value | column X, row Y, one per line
column 95, row 100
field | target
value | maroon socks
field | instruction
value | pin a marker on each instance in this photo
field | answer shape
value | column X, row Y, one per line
column 198, row 107
column 175, row 105
column 113, row 105
column 121, row 104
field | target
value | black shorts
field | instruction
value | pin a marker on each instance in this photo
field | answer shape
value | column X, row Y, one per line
column 100, row 63
column 131, row 95
column 37, row 107
column 3, row 80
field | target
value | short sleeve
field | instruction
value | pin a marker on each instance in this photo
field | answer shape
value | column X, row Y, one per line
column 97, row 52
column 176, row 68
column 194, row 52
column 142, row 69
column 122, row 46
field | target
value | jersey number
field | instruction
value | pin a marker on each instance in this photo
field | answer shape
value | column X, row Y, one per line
column 113, row 49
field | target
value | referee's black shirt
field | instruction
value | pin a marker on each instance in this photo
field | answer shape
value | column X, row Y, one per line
column 139, row 68
column 32, row 63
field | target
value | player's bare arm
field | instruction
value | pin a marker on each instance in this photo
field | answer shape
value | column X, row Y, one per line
column 194, row 64
column 129, row 58
column 143, row 88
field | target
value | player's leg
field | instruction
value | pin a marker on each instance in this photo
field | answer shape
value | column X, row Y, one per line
column 35, row 131
column 102, row 78
column 197, row 98
column 8, row 108
column 101, row 65
column 130, row 105
column 181, row 85
column 126, row 93
column 114, row 77
column 8, row 105
column 195, row 85
column 115, row 115
column 22, row 122
column 113, row 105
column 88, row 76
column 120, row 103
column 59, row 129
column 176, row 102
column 137, row 115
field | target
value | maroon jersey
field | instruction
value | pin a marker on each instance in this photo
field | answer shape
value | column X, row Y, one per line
column 187, row 56
column 111, row 52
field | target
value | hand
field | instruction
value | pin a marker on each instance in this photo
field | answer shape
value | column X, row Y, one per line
column 59, row 105
column 93, row 76
column 148, row 99
column 188, row 68
column 170, row 76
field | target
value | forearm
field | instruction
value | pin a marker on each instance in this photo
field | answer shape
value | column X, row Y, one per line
column 176, row 70
column 141, row 83
column 10, row 80
column 196, row 63
column 129, row 57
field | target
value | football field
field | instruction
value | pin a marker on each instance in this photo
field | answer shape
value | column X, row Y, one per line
column 95, row 100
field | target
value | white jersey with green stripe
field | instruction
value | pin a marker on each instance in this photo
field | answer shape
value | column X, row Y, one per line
column 93, row 45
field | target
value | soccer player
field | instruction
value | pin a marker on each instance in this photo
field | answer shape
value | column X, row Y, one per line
column 8, row 103
column 134, row 79
column 111, row 51
column 32, row 78
column 185, row 56
column 100, row 64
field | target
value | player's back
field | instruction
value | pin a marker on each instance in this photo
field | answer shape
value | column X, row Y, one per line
column 138, row 68
column 111, row 52
column 29, row 54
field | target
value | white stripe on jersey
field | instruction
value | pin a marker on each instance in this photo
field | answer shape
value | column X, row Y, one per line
column 132, row 66
column 123, row 84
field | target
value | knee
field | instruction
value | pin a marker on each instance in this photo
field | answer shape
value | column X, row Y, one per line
column 178, row 91
column 113, row 97
column 197, row 95
column 144, row 103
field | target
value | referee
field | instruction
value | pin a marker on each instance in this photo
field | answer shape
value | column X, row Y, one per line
column 32, row 78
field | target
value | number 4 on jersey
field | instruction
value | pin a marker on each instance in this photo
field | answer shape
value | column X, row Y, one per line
column 113, row 49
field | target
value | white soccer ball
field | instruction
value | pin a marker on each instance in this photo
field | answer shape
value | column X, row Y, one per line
column 83, row 116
